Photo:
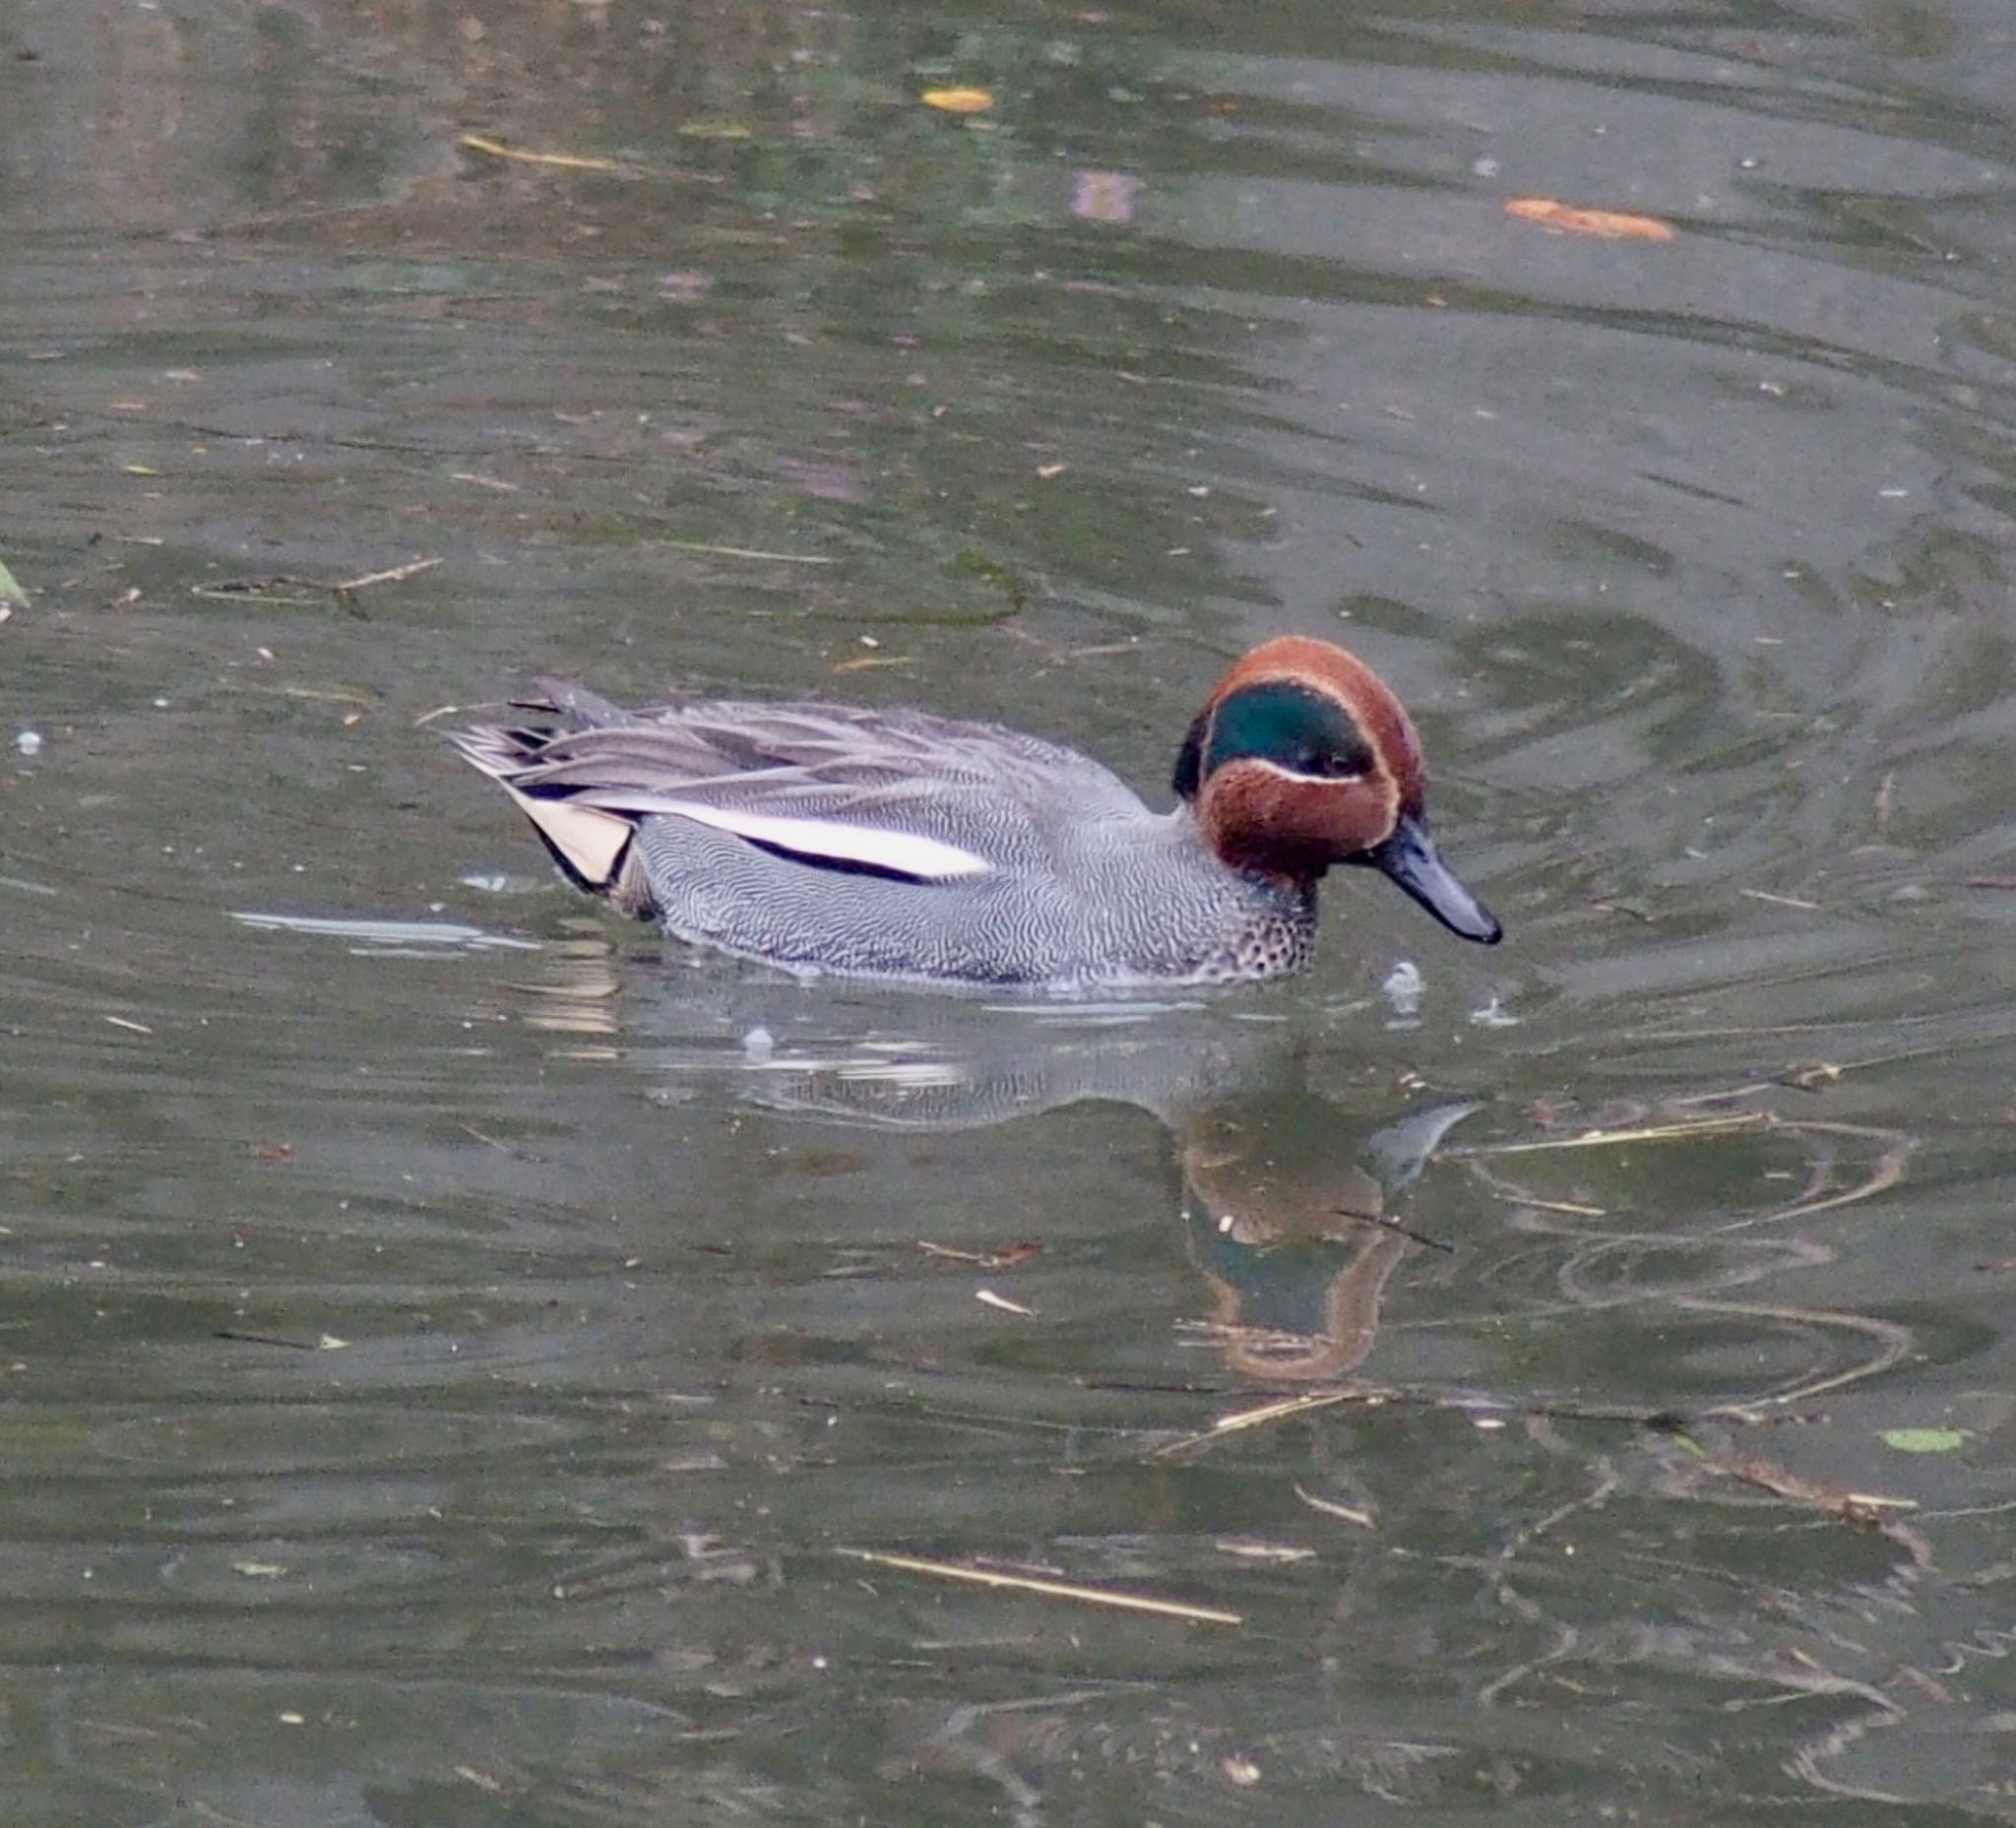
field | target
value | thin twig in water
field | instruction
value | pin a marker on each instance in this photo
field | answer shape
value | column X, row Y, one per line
column 1259, row 1418
column 562, row 161
column 396, row 575
column 1047, row 1589
column 233, row 590
column 1014, row 1255
column 1481, row 1408
column 1574, row 1209
column 1645, row 1133
column 1393, row 1224
column 1331, row 1508
column 782, row 558
column 490, row 1142
column 1816, row 1495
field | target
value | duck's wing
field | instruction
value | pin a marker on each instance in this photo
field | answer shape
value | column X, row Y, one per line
column 895, row 793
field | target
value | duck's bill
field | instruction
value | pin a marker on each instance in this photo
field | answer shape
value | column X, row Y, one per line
column 1410, row 860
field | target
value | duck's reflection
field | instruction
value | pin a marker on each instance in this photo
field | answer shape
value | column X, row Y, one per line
column 1292, row 1214
column 1292, row 1206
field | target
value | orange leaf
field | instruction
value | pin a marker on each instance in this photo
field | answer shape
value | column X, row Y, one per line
column 1609, row 225
column 957, row 100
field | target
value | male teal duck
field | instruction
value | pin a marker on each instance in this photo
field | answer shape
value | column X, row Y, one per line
column 893, row 843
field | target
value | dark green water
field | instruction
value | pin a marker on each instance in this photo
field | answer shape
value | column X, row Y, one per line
column 444, row 1363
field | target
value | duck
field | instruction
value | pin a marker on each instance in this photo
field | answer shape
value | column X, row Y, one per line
column 901, row 845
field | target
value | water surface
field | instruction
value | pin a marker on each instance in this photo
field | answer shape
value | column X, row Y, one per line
column 452, row 1338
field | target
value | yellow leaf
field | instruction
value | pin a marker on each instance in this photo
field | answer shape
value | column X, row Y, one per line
column 957, row 100
column 1607, row 224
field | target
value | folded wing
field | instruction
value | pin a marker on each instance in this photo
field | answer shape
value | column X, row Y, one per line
column 895, row 793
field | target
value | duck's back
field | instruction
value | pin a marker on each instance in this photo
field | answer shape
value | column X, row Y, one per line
column 1011, row 800
column 1079, row 883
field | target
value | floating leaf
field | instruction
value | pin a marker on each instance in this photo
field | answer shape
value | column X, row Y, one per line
column 1605, row 224
column 1924, row 1440
column 957, row 100
column 10, row 587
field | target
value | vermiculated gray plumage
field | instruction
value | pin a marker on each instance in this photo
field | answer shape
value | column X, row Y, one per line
column 1084, row 886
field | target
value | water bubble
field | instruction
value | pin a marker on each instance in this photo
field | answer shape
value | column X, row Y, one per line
column 1403, row 988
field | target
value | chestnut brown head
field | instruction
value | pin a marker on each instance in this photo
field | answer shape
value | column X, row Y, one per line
column 1302, row 758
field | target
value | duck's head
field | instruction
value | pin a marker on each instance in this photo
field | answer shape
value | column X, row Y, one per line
column 1303, row 758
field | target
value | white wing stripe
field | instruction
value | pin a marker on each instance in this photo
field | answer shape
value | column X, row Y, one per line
column 903, row 853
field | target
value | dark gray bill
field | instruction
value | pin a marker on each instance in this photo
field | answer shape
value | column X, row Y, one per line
column 1411, row 859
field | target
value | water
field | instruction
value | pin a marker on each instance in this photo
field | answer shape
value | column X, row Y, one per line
column 454, row 1342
